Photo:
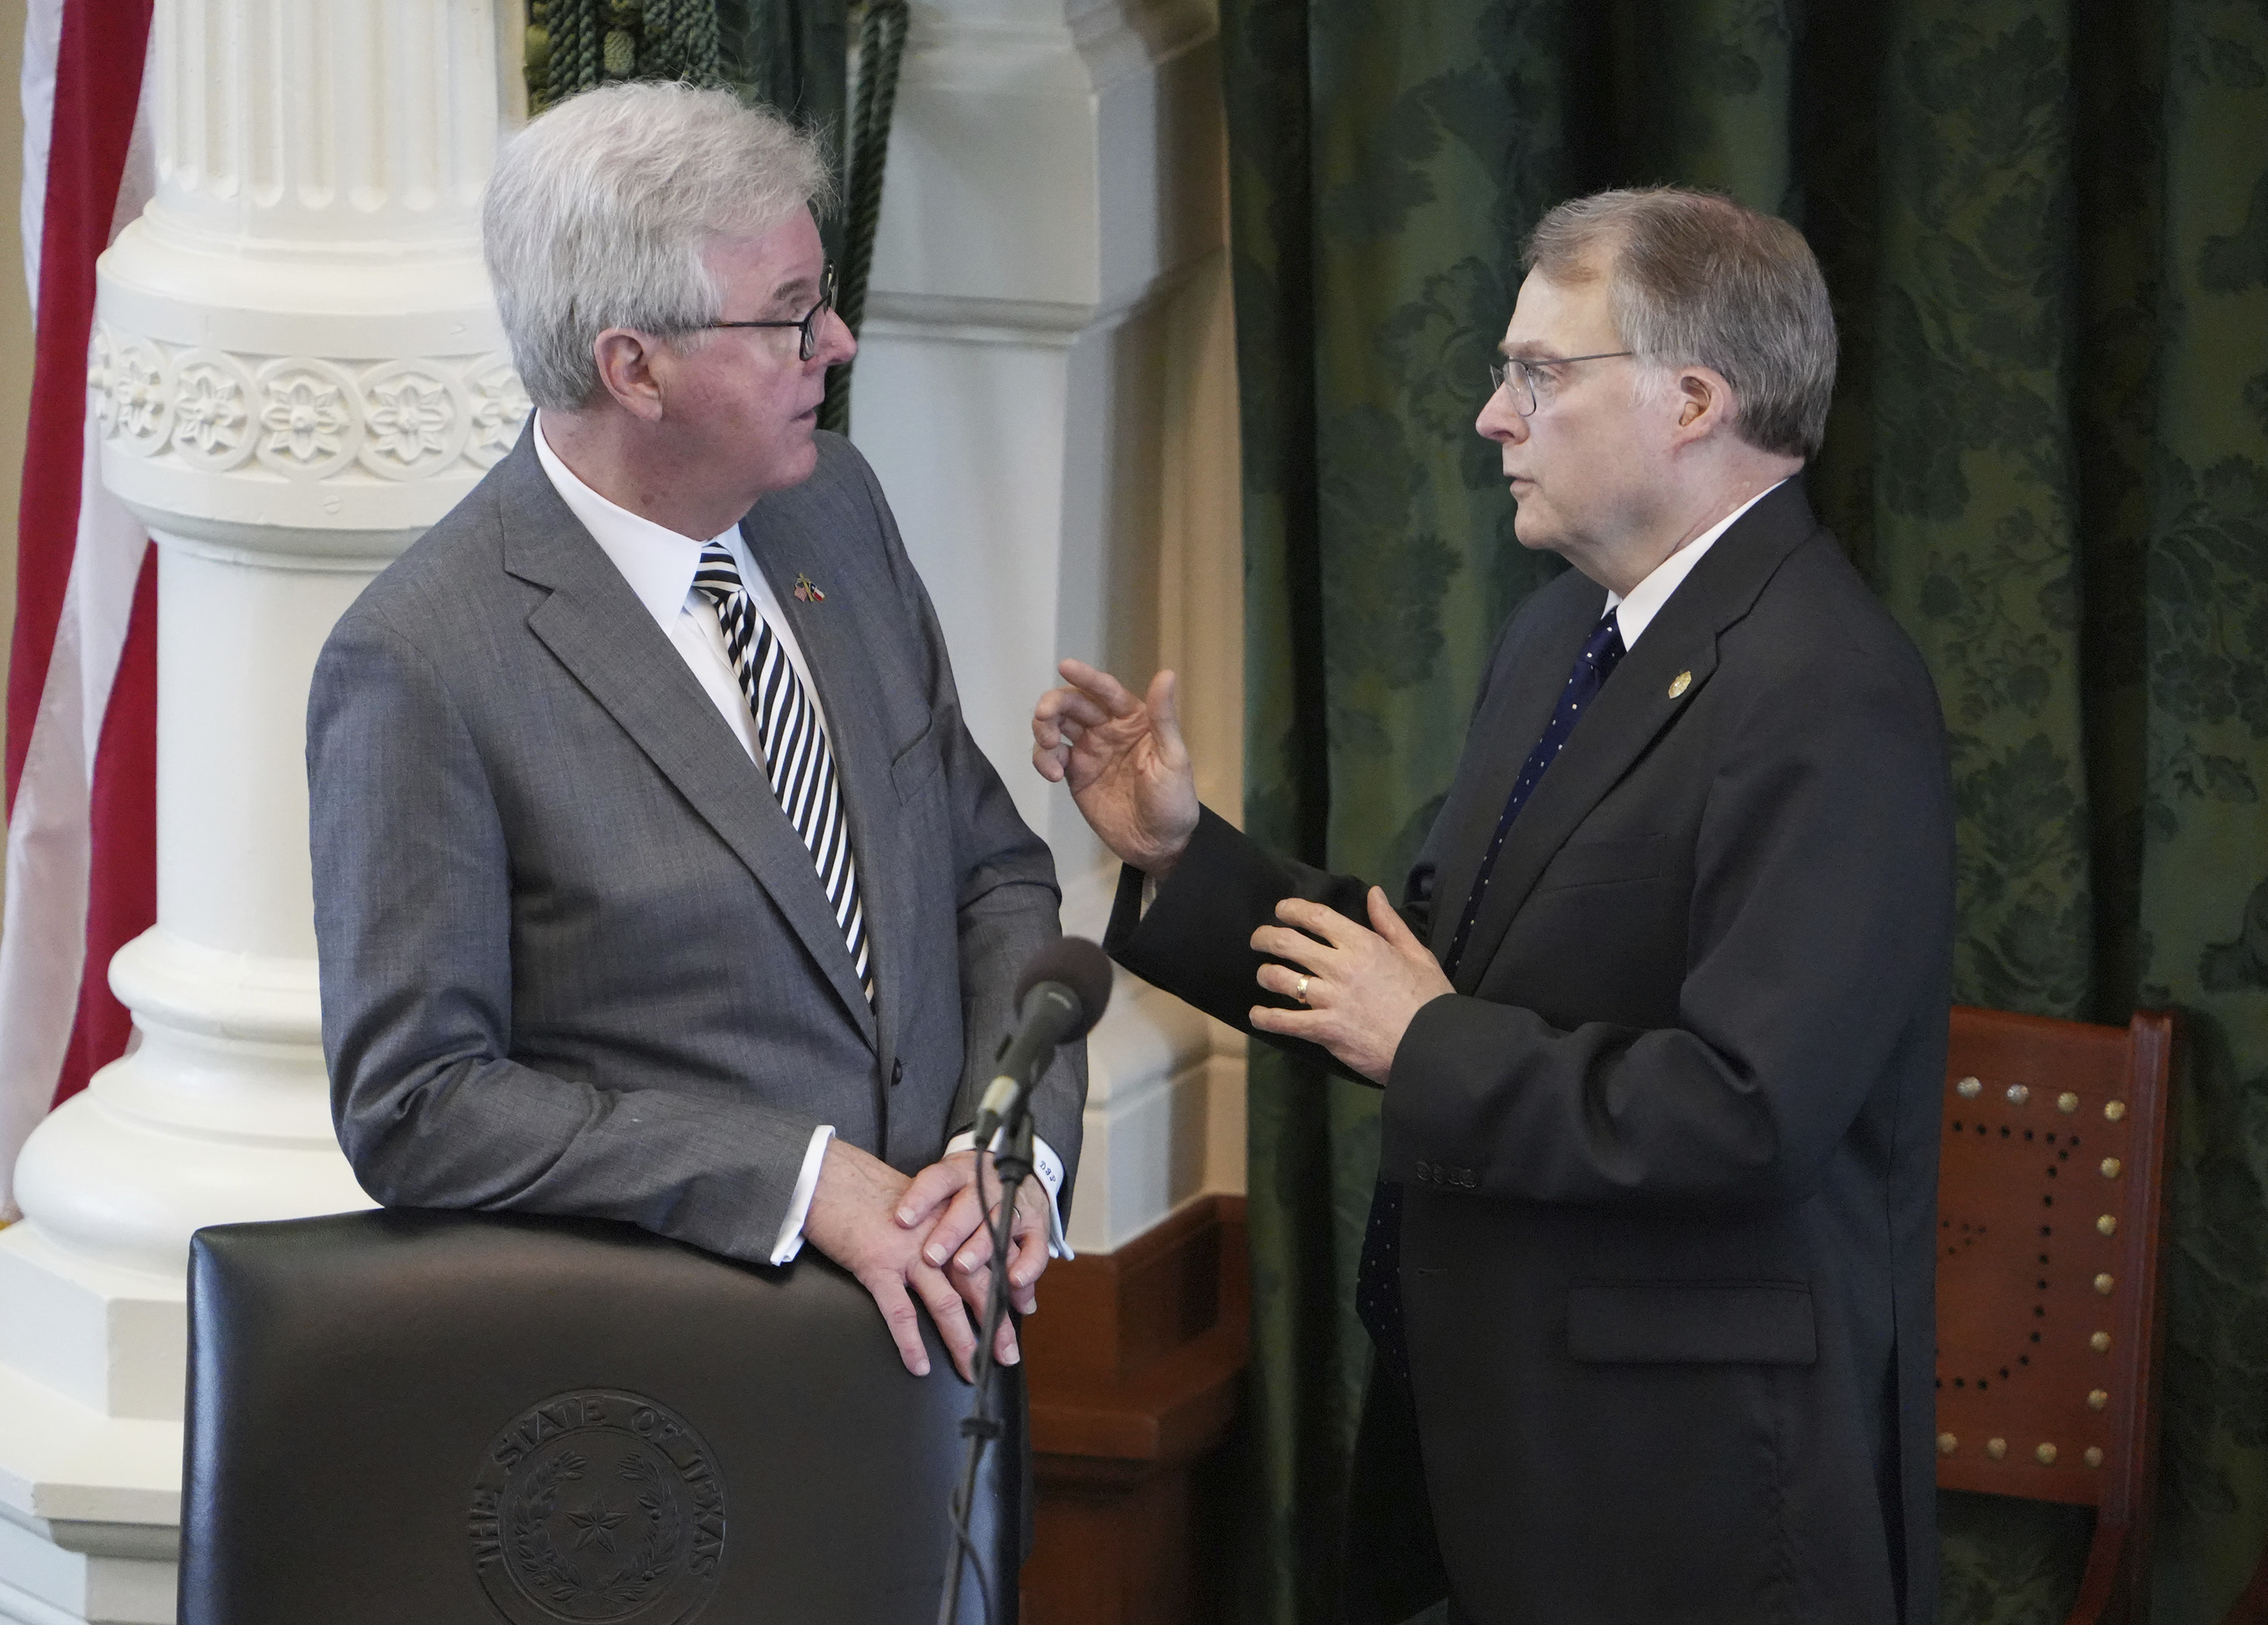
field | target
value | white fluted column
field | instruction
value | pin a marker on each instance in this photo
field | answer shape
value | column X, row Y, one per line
column 296, row 368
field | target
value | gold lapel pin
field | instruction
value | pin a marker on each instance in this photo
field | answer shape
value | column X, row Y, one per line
column 805, row 592
column 1680, row 683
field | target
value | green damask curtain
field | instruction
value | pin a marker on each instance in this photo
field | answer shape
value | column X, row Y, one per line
column 2045, row 224
column 791, row 55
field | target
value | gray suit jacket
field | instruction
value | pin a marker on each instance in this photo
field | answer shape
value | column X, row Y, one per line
column 575, row 958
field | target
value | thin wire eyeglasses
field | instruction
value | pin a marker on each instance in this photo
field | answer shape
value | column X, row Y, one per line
column 806, row 324
column 1521, row 375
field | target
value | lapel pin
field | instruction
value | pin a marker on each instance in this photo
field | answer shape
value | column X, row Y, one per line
column 805, row 592
column 1680, row 683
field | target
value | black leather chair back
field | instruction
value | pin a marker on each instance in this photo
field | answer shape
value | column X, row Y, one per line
column 463, row 1419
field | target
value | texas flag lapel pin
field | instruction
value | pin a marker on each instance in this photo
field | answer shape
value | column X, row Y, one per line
column 805, row 592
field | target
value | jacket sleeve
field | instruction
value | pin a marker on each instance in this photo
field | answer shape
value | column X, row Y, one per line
column 414, row 927
column 1818, row 933
column 1195, row 941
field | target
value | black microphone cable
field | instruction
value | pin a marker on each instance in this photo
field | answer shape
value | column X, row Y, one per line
column 1060, row 998
column 981, row 1425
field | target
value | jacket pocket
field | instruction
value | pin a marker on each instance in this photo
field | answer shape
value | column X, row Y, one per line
column 1694, row 1322
column 1603, row 863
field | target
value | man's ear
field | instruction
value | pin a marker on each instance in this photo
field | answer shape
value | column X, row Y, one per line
column 626, row 373
column 1704, row 403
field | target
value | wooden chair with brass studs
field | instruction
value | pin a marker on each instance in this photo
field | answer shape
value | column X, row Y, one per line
column 2049, row 1313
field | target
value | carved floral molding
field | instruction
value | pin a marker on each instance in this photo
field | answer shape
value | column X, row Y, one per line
column 301, row 416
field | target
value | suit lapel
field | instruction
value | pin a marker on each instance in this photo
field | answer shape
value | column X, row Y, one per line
column 1520, row 703
column 1633, row 710
column 595, row 625
column 832, row 635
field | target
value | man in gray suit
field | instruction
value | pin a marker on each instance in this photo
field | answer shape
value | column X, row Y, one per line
column 657, row 876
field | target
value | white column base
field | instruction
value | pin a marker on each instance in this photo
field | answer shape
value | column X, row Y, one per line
column 217, row 1112
column 100, row 1335
column 50, row 1582
column 1165, row 1098
column 90, row 1503
column 1165, row 1118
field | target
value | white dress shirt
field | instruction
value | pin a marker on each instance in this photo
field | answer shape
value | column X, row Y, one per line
column 658, row 564
column 1633, row 614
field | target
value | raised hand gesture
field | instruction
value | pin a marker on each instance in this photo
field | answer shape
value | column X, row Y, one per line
column 1124, row 759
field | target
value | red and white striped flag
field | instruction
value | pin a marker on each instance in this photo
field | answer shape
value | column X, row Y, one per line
column 83, row 670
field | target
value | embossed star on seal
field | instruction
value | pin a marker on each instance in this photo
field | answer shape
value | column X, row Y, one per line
column 595, row 1526
column 598, row 1507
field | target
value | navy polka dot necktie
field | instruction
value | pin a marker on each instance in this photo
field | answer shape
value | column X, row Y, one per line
column 1378, row 1279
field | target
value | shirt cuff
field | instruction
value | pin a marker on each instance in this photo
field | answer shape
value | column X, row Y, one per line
column 1049, row 1168
column 799, row 1206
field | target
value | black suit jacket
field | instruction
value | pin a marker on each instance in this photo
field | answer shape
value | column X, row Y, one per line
column 1669, row 1152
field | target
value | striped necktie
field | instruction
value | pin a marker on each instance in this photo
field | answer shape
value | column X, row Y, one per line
column 796, row 758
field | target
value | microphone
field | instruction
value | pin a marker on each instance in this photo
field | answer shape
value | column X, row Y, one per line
column 1060, row 997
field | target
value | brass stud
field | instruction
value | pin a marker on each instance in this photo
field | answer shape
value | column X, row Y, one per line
column 2094, row 1457
column 2066, row 1102
column 2108, row 1224
column 2104, row 1284
column 2018, row 1094
column 2046, row 1455
column 1996, row 1448
column 2097, row 1398
column 2100, row 1343
column 2114, row 1110
column 2110, row 1166
column 1969, row 1088
column 1947, row 1444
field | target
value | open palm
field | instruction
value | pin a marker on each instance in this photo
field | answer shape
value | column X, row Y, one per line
column 1124, row 761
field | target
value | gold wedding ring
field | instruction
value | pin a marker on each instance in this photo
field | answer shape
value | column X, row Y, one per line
column 1300, row 992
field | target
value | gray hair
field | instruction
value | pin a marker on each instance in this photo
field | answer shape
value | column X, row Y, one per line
column 599, row 211
column 1699, row 280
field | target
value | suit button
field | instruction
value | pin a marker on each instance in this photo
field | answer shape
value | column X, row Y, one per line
column 1424, row 1171
column 897, row 1073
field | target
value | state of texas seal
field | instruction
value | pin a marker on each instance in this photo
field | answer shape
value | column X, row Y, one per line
column 601, row 1508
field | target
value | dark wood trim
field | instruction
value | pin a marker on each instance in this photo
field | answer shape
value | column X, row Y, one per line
column 1134, row 1367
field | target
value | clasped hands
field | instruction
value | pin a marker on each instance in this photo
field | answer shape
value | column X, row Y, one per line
column 1130, row 774
column 928, row 1238
column 1358, row 988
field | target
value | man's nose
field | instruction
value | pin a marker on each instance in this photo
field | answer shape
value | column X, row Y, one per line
column 1497, row 421
column 835, row 345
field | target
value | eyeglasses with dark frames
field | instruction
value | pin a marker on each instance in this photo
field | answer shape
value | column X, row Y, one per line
column 806, row 324
column 1521, row 375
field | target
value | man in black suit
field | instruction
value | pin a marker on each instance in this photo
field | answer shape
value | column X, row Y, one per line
column 1661, row 1018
